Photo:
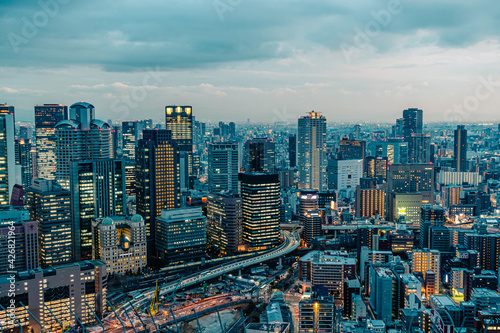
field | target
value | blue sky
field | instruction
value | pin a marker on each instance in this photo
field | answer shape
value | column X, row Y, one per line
column 266, row 60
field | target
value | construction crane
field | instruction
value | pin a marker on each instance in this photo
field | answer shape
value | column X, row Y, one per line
column 170, row 298
column 155, row 301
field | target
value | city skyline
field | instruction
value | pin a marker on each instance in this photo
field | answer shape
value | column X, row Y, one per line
column 278, row 60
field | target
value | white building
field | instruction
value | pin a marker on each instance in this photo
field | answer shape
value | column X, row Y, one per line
column 120, row 243
column 459, row 177
column 344, row 174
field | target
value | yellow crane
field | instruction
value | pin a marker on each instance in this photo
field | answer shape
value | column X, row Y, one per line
column 155, row 301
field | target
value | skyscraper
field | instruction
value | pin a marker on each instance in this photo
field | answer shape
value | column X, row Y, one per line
column 130, row 136
column 97, row 190
column 260, row 195
column 259, row 155
column 311, row 152
column 47, row 116
column 157, row 177
column 292, row 150
column 460, row 148
column 412, row 122
column 428, row 262
column 7, row 158
column 431, row 216
column 223, row 167
column 352, row 150
column 420, row 148
column 50, row 205
column 225, row 222
column 376, row 167
column 24, row 160
column 81, row 137
column 8, row 109
column 369, row 201
column 412, row 178
column 179, row 119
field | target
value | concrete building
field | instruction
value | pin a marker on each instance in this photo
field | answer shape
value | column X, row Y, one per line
column 8, row 176
column 405, row 205
column 179, row 120
column 384, row 293
column 120, row 243
column 370, row 202
column 425, row 261
column 316, row 314
column 460, row 149
column 344, row 174
column 181, row 235
column 412, row 178
column 223, row 167
column 57, row 288
column 459, row 178
column 260, row 155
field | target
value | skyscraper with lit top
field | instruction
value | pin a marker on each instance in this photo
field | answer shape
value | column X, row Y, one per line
column 179, row 120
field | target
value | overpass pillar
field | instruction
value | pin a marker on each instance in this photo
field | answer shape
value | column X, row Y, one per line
column 239, row 272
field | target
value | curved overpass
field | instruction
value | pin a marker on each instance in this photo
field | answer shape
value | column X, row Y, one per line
column 292, row 241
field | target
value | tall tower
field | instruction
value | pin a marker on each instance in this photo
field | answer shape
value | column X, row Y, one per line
column 7, row 157
column 420, row 148
column 460, row 148
column 412, row 122
column 24, row 160
column 81, row 137
column 8, row 109
column 97, row 190
column 179, row 119
column 223, row 167
column 157, row 177
column 260, row 155
column 130, row 136
column 292, row 150
column 260, row 196
column 311, row 153
column 47, row 116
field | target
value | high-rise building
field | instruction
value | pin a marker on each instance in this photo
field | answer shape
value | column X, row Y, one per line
column 316, row 314
column 428, row 262
column 260, row 195
column 488, row 246
column 24, row 160
column 223, row 167
column 412, row 122
column 311, row 152
column 404, row 204
column 179, row 119
column 384, row 295
column 370, row 202
column 412, row 178
column 460, row 148
column 259, row 155
column 8, row 109
column 181, row 235
column 97, row 190
column 430, row 216
column 80, row 287
column 130, row 135
column 17, row 229
column 312, row 225
column 157, row 178
column 47, row 116
column 225, row 222
column 420, row 148
column 7, row 157
column 81, row 137
column 398, row 133
column 308, row 201
column 344, row 174
column 292, row 150
column 352, row 150
column 376, row 167
column 50, row 205
column 120, row 243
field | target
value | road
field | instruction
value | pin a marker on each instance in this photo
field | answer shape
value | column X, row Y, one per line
column 291, row 242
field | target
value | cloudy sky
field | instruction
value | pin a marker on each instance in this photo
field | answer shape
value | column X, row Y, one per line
column 266, row 60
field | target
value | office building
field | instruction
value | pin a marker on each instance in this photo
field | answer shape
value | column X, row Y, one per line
column 352, row 150
column 420, row 148
column 47, row 116
column 412, row 178
column 428, row 262
column 225, row 222
column 405, row 205
column 316, row 314
column 81, row 137
column 223, row 167
column 376, row 167
column 179, row 120
column 459, row 178
column 24, row 159
column 384, row 296
column 478, row 278
column 311, row 152
column 401, row 241
column 130, row 135
column 157, row 178
column 181, row 235
column 327, row 269
column 488, row 247
column 260, row 195
column 7, row 157
column 17, row 229
column 8, row 109
column 369, row 202
column 292, row 150
column 312, row 225
column 412, row 122
column 430, row 216
column 97, row 190
column 344, row 174
column 460, row 149
column 65, row 292
column 395, row 150
column 120, row 243
column 50, row 205
column 485, row 298
column 308, row 201
column 259, row 155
